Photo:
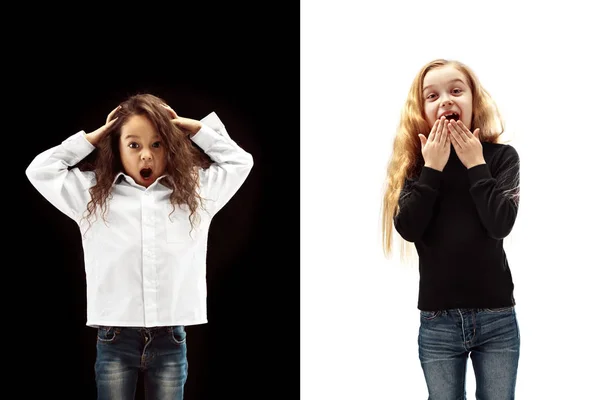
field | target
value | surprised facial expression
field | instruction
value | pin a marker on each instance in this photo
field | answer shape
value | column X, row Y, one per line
column 446, row 92
column 142, row 153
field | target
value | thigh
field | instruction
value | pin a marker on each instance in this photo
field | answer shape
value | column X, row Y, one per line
column 442, row 355
column 495, row 354
column 166, row 374
column 117, row 364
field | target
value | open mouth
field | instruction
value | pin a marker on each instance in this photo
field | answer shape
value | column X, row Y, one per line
column 453, row 116
column 146, row 173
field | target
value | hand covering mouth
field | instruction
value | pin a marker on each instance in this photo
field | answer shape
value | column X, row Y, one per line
column 146, row 172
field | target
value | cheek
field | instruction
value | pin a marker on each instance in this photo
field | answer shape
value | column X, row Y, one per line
column 466, row 102
column 127, row 156
column 429, row 110
column 429, row 114
column 127, row 160
column 161, row 159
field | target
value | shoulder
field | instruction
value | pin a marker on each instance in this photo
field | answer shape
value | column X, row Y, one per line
column 499, row 152
column 502, row 158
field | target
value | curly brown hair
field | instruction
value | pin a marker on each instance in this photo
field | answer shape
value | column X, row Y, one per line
column 183, row 157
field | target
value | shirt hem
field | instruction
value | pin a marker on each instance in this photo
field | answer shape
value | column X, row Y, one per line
column 134, row 324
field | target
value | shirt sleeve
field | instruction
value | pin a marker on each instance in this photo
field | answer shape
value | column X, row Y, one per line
column 231, row 166
column 416, row 202
column 66, row 189
column 495, row 191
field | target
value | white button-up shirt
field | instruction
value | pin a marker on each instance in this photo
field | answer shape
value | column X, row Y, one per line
column 143, row 266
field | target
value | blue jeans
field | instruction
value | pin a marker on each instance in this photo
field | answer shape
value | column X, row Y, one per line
column 158, row 353
column 490, row 336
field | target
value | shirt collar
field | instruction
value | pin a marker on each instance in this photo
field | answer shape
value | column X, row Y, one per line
column 122, row 176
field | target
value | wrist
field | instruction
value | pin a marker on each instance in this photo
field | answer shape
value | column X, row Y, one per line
column 195, row 130
column 436, row 167
column 476, row 164
column 92, row 138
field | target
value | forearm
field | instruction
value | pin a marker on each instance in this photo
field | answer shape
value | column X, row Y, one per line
column 221, row 149
column 93, row 137
column 49, row 173
column 496, row 200
column 416, row 203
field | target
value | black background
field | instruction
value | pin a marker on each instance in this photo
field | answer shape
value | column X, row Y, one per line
column 68, row 71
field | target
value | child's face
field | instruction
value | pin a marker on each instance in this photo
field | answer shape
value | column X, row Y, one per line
column 445, row 89
column 142, row 152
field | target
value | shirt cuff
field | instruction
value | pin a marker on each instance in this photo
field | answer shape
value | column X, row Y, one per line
column 78, row 147
column 430, row 177
column 478, row 173
column 205, row 137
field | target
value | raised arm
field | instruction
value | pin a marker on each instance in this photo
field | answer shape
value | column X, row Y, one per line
column 49, row 173
column 416, row 202
column 497, row 196
column 231, row 166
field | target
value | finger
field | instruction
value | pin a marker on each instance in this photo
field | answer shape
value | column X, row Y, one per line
column 423, row 140
column 456, row 142
column 454, row 131
column 434, row 130
column 112, row 113
column 440, row 127
column 170, row 111
column 446, row 138
column 464, row 131
column 444, row 132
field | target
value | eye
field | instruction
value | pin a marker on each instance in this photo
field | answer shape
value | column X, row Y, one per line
column 133, row 145
column 457, row 89
column 429, row 95
column 157, row 144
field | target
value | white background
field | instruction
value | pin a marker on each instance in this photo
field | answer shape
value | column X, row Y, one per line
column 539, row 61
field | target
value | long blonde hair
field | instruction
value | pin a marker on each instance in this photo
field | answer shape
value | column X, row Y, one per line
column 407, row 160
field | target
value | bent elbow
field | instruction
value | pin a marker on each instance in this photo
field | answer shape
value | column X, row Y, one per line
column 407, row 234
column 500, row 232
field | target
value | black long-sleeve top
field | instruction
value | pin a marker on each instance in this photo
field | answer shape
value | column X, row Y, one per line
column 457, row 219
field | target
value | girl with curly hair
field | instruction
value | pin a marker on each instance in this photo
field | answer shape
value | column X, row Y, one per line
column 156, row 180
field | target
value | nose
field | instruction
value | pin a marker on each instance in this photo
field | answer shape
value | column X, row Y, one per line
column 446, row 103
column 146, row 155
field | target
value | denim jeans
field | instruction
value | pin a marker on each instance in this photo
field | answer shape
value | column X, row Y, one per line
column 160, row 354
column 490, row 336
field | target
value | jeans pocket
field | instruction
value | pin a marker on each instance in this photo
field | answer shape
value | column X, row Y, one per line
column 178, row 335
column 499, row 310
column 430, row 315
column 107, row 334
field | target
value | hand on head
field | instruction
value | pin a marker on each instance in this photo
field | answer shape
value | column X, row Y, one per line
column 111, row 117
column 187, row 125
column 95, row 136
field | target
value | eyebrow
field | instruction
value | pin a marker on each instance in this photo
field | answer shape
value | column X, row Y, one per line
column 452, row 81
column 137, row 137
